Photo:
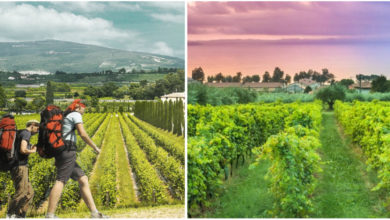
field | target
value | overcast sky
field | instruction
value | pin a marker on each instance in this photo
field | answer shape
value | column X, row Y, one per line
column 348, row 38
column 154, row 27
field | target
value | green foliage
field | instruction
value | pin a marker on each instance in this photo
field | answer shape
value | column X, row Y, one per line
column 294, row 162
column 202, row 94
column 20, row 103
column 3, row 97
column 170, row 142
column 198, row 74
column 307, row 89
column 346, row 82
column 20, row 93
column 167, row 115
column 368, row 125
column 380, row 84
column 151, row 187
column 49, row 93
column 167, row 165
column 172, row 82
column 330, row 94
column 220, row 135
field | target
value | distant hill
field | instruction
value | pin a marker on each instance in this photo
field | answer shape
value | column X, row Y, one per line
column 53, row 55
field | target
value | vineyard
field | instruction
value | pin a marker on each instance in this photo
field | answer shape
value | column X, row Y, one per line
column 221, row 138
column 139, row 165
column 289, row 160
column 368, row 124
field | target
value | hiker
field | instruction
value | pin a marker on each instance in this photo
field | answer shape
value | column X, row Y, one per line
column 65, row 161
column 24, row 192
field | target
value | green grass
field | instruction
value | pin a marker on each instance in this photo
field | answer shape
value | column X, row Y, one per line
column 166, row 211
column 344, row 186
column 245, row 195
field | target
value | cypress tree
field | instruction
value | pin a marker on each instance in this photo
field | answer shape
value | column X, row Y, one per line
column 49, row 93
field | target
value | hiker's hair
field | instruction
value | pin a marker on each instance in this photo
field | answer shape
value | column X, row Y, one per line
column 72, row 107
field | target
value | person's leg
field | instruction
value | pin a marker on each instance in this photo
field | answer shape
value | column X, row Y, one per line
column 65, row 163
column 17, row 180
column 86, row 193
column 54, row 197
column 28, row 197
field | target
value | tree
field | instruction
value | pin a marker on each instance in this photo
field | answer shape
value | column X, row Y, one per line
column 307, row 89
column 278, row 75
column 49, row 93
column 237, row 77
column 287, row 79
column 330, row 94
column 228, row 79
column 143, row 83
column 20, row 103
column 3, row 98
column 76, row 94
column 20, row 93
column 122, row 71
column 256, row 78
column 219, row 77
column 346, row 82
column 38, row 103
column 210, row 79
column 266, row 77
column 247, row 79
column 198, row 74
column 380, row 84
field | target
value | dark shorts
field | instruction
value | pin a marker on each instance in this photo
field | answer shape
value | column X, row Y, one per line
column 67, row 167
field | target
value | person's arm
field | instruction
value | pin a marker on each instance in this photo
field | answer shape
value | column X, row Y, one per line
column 25, row 150
column 83, row 134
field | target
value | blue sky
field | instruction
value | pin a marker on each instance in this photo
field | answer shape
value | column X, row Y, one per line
column 154, row 27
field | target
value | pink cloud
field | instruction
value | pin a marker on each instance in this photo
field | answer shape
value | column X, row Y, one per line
column 289, row 18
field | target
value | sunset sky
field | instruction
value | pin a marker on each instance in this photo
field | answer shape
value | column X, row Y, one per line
column 348, row 38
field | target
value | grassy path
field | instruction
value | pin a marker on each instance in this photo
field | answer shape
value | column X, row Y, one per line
column 344, row 185
column 245, row 195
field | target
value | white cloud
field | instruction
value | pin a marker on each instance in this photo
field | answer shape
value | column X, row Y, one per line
column 161, row 47
column 25, row 23
column 177, row 6
column 128, row 6
column 169, row 18
column 81, row 6
column 88, row 7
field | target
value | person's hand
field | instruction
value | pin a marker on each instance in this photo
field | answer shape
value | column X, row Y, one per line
column 33, row 149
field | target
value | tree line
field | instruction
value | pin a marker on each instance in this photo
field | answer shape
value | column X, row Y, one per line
column 168, row 115
column 278, row 75
column 172, row 82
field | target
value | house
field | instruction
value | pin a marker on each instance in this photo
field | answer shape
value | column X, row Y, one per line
column 295, row 88
column 176, row 96
column 224, row 84
column 363, row 87
column 264, row 86
column 309, row 82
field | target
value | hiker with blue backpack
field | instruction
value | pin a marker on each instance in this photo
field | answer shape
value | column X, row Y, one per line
column 57, row 139
column 15, row 149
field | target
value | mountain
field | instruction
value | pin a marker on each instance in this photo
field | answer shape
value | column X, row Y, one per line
column 70, row 57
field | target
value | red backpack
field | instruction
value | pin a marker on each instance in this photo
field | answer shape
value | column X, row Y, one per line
column 8, row 134
column 50, row 139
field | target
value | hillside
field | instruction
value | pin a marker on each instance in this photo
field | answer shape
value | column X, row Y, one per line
column 53, row 55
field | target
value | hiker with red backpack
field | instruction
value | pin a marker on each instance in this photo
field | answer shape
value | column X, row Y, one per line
column 59, row 138
column 17, row 160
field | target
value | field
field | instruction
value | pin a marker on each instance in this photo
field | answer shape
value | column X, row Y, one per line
column 136, row 168
column 289, row 160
